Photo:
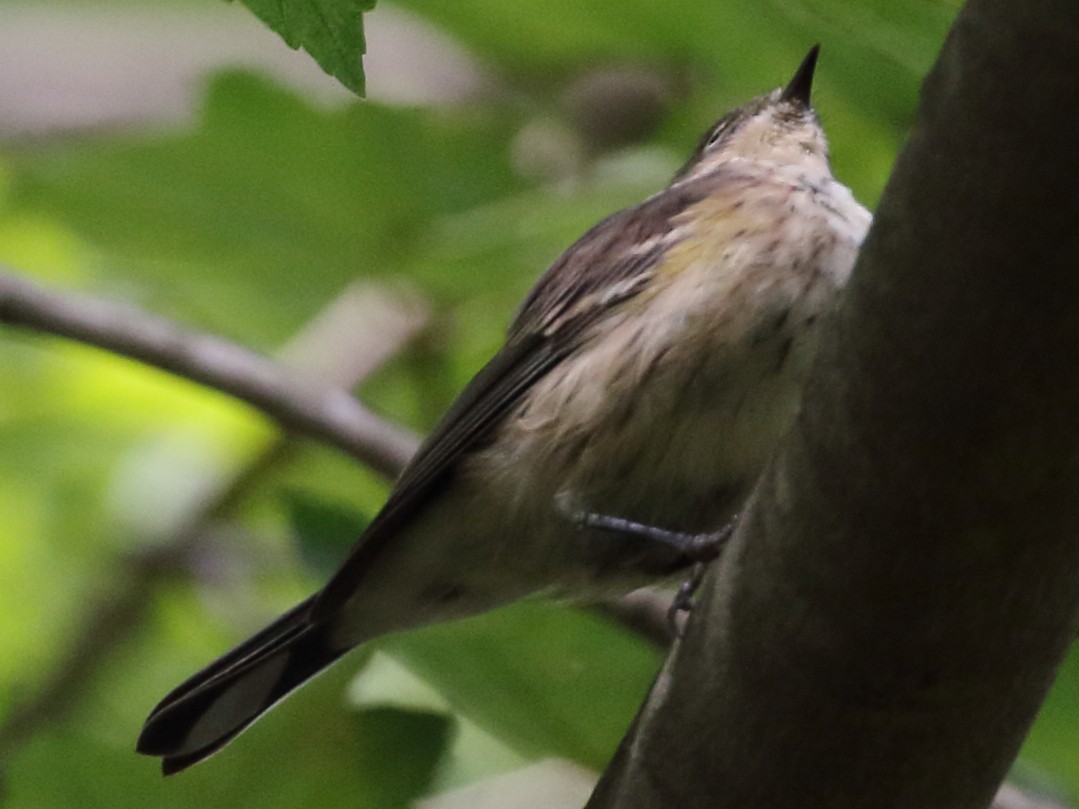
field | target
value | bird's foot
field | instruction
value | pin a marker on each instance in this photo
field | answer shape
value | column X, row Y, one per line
column 702, row 547
column 696, row 547
column 683, row 599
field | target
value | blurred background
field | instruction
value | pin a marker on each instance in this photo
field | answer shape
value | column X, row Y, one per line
column 175, row 155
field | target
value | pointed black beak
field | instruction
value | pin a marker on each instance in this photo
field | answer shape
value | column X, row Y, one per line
column 800, row 86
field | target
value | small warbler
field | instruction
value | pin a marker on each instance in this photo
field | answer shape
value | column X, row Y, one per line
column 643, row 385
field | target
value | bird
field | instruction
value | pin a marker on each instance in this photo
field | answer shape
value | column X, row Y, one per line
column 644, row 384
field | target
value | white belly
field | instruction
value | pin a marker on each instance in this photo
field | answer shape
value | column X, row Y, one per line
column 670, row 411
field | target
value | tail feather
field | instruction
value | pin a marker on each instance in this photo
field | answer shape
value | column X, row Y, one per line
column 210, row 709
column 297, row 617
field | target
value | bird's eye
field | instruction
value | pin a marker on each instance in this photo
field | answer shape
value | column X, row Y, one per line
column 717, row 133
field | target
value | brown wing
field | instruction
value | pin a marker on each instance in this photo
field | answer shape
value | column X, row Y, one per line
column 603, row 268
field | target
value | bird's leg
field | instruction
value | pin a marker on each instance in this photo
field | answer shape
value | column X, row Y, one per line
column 703, row 547
column 699, row 548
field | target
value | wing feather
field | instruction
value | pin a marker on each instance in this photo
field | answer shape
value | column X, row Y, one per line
column 609, row 264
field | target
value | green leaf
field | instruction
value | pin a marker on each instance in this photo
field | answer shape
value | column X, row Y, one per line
column 323, row 531
column 330, row 30
column 546, row 679
column 250, row 223
column 312, row 751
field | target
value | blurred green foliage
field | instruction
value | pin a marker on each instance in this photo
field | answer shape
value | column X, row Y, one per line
column 247, row 224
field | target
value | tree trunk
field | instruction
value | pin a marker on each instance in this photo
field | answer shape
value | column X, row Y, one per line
column 891, row 613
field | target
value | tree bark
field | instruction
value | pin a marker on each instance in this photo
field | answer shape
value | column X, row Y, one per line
column 890, row 615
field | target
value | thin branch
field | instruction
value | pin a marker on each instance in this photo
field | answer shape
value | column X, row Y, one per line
column 301, row 405
column 322, row 409
column 349, row 340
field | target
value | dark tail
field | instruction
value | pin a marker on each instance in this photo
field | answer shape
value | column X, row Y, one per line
column 210, row 709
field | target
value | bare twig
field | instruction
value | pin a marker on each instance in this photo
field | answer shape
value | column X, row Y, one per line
column 301, row 405
column 348, row 341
